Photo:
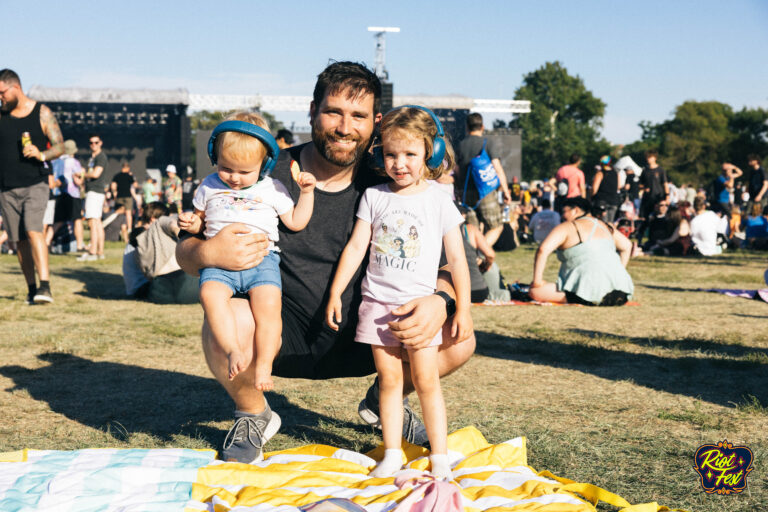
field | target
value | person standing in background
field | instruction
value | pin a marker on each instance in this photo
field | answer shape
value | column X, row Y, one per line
column 26, row 128
column 95, row 185
column 124, row 194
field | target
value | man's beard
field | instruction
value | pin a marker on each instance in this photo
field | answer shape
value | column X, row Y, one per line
column 7, row 106
column 323, row 143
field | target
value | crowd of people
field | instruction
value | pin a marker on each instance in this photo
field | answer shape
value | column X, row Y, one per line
column 355, row 258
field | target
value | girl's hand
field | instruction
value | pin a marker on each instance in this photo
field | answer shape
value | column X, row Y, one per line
column 461, row 326
column 333, row 313
column 306, row 182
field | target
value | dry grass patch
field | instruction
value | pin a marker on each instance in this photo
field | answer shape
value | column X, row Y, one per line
column 618, row 397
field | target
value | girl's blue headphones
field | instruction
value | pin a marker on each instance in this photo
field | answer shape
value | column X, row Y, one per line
column 254, row 131
column 438, row 143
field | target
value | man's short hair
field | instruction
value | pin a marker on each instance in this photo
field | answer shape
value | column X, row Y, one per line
column 575, row 157
column 546, row 203
column 284, row 134
column 651, row 152
column 699, row 203
column 352, row 77
column 474, row 122
column 753, row 156
column 9, row 76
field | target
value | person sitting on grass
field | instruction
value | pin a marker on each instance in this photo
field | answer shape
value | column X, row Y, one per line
column 679, row 242
column 592, row 273
column 484, row 273
column 707, row 229
column 242, row 192
column 756, row 228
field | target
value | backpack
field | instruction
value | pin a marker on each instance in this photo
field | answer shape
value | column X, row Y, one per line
column 563, row 187
column 483, row 176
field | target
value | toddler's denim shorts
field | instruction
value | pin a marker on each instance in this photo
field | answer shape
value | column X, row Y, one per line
column 267, row 272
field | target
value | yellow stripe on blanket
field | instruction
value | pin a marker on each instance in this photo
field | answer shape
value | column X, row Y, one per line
column 492, row 478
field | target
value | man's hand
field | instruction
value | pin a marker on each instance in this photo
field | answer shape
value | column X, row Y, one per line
column 306, row 182
column 507, row 196
column 31, row 151
column 235, row 248
column 425, row 317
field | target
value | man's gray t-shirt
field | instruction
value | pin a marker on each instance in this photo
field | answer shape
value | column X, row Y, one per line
column 469, row 148
column 98, row 184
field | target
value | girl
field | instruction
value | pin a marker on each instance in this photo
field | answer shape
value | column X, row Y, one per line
column 415, row 210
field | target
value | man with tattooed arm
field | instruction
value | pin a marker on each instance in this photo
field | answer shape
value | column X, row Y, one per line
column 26, row 129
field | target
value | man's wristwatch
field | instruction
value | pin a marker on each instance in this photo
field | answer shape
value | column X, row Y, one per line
column 450, row 303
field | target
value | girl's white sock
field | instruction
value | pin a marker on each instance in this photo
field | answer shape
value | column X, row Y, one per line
column 440, row 466
column 390, row 464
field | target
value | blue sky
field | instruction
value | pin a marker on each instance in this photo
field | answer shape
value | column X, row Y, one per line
column 641, row 58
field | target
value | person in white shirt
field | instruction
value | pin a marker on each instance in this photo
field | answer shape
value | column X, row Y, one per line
column 705, row 227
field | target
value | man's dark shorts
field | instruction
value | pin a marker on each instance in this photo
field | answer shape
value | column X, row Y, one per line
column 23, row 210
column 312, row 350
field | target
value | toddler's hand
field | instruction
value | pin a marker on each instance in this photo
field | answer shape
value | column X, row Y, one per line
column 333, row 313
column 189, row 222
column 306, row 181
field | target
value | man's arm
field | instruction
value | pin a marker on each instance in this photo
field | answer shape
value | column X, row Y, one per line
column 760, row 194
column 502, row 179
column 52, row 131
column 233, row 248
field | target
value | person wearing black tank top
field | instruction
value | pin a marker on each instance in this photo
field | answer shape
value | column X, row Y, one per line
column 24, row 176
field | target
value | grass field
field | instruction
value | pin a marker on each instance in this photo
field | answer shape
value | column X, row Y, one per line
column 617, row 397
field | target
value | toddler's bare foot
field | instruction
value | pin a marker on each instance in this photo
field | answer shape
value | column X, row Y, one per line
column 264, row 377
column 236, row 364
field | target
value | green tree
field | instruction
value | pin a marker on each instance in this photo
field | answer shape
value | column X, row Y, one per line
column 700, row 137
column 565, row 118
column 697, row 140
column 750, row 135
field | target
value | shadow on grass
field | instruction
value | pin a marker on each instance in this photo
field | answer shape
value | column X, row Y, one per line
column 719, row 381
column 689, row 344
column 98, row 284
column 123, row 400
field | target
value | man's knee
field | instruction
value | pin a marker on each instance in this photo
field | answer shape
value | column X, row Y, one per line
column 453, row 353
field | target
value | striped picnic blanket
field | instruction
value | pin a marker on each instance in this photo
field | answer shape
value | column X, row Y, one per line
column 99, row 479
column 490, row 478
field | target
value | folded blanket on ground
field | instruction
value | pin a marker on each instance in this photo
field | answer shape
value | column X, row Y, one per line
column 761, row 294
column 533, row 303
column 488, row 477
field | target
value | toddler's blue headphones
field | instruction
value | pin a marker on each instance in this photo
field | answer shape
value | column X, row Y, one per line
column 254, row 131
column 438, row 143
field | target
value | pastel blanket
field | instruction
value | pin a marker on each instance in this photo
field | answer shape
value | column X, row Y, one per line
column 489, row 478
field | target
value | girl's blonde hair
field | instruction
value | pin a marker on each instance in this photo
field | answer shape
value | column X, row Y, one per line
column 240, row 147
column 416, row 123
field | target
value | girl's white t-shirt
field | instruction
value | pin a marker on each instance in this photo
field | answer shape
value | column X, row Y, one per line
column 406, row 242
column 257, row 206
